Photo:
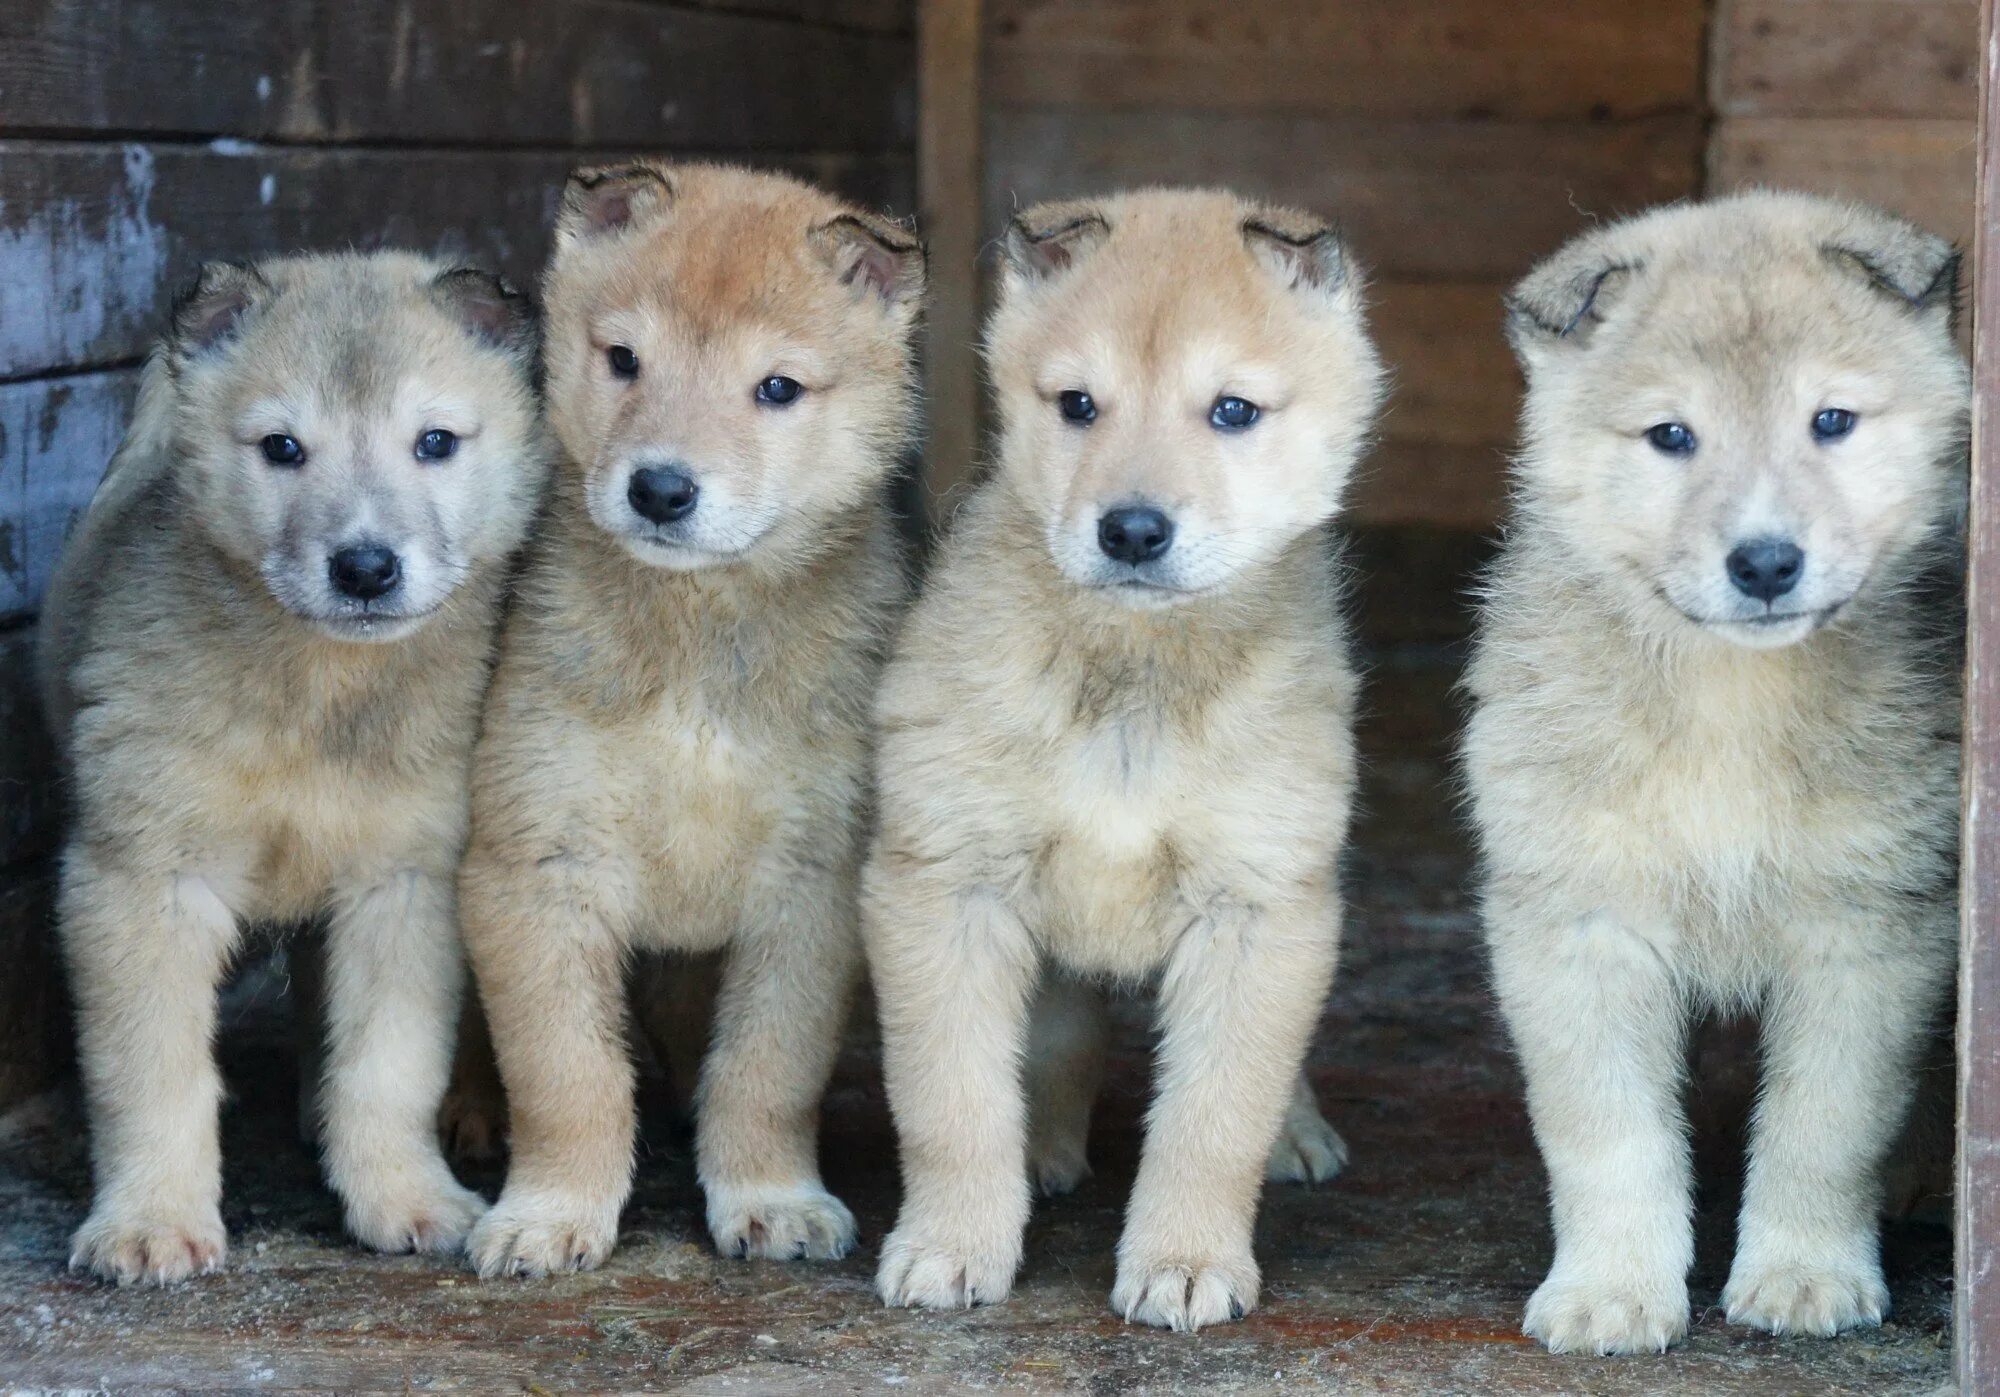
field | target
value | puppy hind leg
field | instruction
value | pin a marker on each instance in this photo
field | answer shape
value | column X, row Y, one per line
column 472, row 1118
column 1067, row 1032
column 1309, row 1150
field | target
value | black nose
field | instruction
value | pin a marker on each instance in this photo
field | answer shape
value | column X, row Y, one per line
column 1136, row 533
column 662, row 493
column 1765, row 568
column 364, row 573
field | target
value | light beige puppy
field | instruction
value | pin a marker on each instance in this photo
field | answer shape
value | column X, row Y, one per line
column 1714, row 757
column 264, row 655
column 676, row 751
column 1115, row 739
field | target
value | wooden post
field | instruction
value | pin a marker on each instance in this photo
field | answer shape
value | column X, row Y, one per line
column 1977, row 1321
column 949, row 173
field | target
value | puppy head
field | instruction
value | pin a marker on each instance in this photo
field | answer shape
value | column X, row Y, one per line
column 1746, row 414
column 729, row 358
column 359, row 430
column 1184, row 382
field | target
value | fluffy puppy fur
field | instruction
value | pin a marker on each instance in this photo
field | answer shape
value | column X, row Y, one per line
column 1714, row 758
column 257, row 733
column 675, row 754
column 1118, row 760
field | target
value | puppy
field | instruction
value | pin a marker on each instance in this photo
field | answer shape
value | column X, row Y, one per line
column 263, row 657
column 1714, row 757
column 1115, row 740
column 675, row 755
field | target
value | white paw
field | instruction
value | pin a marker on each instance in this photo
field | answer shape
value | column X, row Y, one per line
column 1805, row 1297
column 780, row 1223
column 1309, row 1151
column 527, row 1236
column 1607, row 1315
column 151, row 1247
column 919, row 1272
column 1188, row 1293
column 430, row 1216
column 1056, row 1166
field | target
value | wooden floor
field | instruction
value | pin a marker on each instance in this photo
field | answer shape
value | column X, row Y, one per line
column 1406, row 1275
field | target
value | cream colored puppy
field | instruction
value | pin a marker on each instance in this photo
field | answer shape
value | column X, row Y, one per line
column 1115, row 738
column 264, row 655
column 675, row 755
column 1714, row 761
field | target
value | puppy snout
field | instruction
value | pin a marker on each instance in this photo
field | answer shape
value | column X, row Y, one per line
column 1135, row 533
column 662, row 494
column 1765, row 568
column 364, row 572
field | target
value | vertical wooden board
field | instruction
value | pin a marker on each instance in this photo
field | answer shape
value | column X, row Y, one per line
column 1920, row 169
column 1876, row 58
column 56, row 437
column 950, row 152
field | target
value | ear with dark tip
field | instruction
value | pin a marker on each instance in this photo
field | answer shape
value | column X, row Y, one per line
column 212, row 308
column 1306, row 255
column 605, row 199
column 1915, row 267
column 874, row 254
column 487, row 306
column 1051, row 238
column 1563, row 301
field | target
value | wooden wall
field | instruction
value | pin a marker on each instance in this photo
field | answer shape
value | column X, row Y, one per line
column 138, row 137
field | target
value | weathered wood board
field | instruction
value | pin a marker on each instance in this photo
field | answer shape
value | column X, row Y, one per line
column 1920, row 169
column 1846, row 58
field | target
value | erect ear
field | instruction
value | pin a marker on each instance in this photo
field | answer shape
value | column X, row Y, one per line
column 605, row 199
column 487, row 306
column 1305, row 254
column 874, row 254
column 1900, row 260
column 210, row 311
column 1049, row 239
column 1561, row 303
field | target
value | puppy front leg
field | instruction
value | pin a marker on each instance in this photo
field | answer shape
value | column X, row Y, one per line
column 1237, row 1006
column 146, row 954
column 1600, row 1029
column 393, row 983
column 953, row 971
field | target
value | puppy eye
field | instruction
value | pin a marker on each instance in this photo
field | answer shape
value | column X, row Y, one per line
column 1671, row 439
column 778, row 391
column 1077, row 406
column 1233, row 414
column 1833, row 423
column 436, row 444
column 282, row 450
column 624, row 363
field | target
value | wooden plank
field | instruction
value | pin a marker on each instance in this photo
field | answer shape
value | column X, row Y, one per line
column 1920, row 169
column 1468, row 59
column 56, row 437
column 484, row 72
column 94, row 238
column 949, row 162
column 1880, row 58
column 1976, row 1288
column 883, row 16
column 1444, row 200
column 1453, row 380
column 1435, row 485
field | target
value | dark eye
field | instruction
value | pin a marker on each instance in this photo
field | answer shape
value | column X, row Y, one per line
column 1077, row 406
column 777, row 390
column 1232, row 414
column 282, row 450
column 436, row 444
column 1833, row 423
column 623, row 361
column 1671, row 439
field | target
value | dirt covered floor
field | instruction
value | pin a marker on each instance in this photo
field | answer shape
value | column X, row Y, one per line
column 1405, row 1275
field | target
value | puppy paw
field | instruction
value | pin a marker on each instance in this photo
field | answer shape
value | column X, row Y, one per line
column 923, row 1272
column 1308, row 1151
column 151, row 1247
column 1056, row 1166
column 1802, row 1297
column 472, row 1123
column 1185, row 1294
column 1608, row 1315
column 523, row 1236
column 429, row 1217
column 780, row 1223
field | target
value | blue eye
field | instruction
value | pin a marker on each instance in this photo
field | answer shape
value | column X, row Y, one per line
column 623, row 361
column 436, row 444
column 1833, row 423
column 1671, row 439
column 777, row 390
column 1233, row 414
column 1077, row 406
column 282, row 450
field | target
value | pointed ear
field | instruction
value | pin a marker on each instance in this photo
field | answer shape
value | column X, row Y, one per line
column 486, row 305
column 1560, row 304
column 210, row 311
column 604, row 199
column 874, row 254
column 1305, row 254
column 1901, row 260
column 1049, row 239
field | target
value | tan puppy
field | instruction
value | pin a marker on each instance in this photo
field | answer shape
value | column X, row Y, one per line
column 264, row 655
column 1714, row 761
column 1115, row 737
column 676, row 751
